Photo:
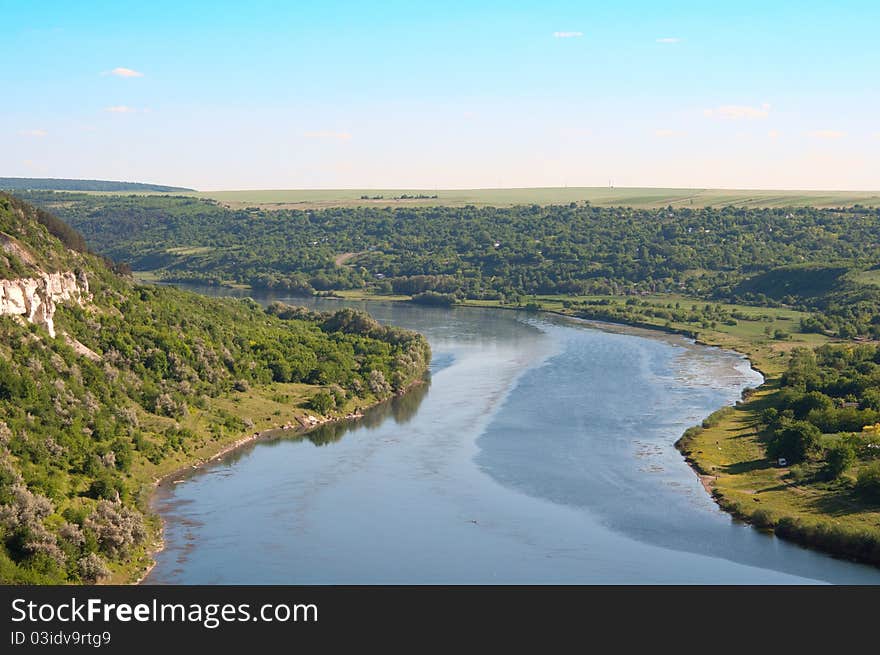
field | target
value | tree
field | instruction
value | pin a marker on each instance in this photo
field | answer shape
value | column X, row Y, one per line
column 322, row 402
column 871, row 400
column 92, row 568
column 378, row 385
column 839, row 458
column 868, row 481
column 810, row 401
column 769, row 416
column 795, row 441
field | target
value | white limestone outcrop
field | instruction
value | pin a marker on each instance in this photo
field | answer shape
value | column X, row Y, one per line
column 34, row 298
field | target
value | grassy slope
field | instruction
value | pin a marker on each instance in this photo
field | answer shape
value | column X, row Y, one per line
column 635, row 197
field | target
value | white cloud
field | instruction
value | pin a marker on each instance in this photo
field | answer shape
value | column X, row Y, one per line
column 669, row 39
column 665, row 133
column 738, row 112
column 34, row 133
column 325, row 134
column 124, row 109
column 827, row 134
column 773, row 134
column 124, row 72
column 567, row 35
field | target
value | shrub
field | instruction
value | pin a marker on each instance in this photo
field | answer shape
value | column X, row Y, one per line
column 379, row 385
column 839, row 458
column 106, row 487
column 92, row 568
column 116, row 528
column 339, row 394
column 868, row 482
column 762, row 519
column 769, row 416
column 322, row 402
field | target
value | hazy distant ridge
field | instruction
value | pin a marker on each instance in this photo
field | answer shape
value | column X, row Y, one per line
column 642, row 198
column 58, row 184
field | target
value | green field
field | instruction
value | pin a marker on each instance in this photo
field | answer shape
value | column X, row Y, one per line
column 603, row 196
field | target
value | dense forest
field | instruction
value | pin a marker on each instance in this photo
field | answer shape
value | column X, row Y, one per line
column 135, row 377
column 816, row 260
column 62, row 184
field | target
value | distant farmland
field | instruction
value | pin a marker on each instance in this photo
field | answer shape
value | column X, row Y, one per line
column 99, row 186
column 603, row 196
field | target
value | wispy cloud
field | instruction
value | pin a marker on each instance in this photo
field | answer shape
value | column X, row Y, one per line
column 123, row 72
column 666, row 133
column 34, row 133
column 326, row 134
column 125, row 109
column 669, row 39
column 567, row 35
column 827, row 134
column 738, row 112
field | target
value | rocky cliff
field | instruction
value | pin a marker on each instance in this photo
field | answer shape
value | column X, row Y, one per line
column 34, row 298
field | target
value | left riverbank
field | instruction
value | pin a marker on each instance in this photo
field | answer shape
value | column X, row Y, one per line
column 276, row 412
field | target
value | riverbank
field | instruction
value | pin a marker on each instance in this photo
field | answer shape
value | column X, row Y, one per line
column 298, row 421
column 726, row 452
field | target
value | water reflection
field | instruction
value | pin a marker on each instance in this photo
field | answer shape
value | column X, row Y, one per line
column 401, row 409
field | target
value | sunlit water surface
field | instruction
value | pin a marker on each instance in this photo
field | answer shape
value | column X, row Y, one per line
column 540, row 451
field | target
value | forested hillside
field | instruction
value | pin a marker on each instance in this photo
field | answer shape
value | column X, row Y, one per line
column 142, row 378
column 805, row 258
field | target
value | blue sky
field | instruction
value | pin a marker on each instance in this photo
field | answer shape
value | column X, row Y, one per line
column 437, row 95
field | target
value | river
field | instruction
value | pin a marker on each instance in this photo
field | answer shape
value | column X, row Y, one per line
column 540, row 451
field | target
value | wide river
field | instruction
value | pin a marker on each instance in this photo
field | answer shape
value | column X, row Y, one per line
column 541, row 451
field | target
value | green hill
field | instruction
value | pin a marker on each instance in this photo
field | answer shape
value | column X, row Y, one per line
column 138, row 381
column 27, row 233
column 794, row 282
column 61, row 184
